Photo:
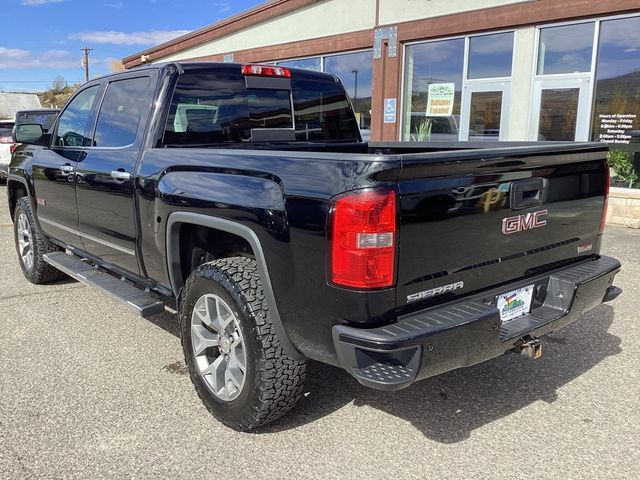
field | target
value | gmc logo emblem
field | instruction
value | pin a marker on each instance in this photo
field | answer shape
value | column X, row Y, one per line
column 520, row 223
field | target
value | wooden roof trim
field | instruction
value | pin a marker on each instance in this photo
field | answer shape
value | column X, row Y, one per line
column 248, row 18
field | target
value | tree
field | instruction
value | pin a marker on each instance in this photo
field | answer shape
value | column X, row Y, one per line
column 59, row 83
column 116, row 66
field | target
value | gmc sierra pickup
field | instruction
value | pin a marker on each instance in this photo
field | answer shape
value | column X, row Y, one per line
column 243, row 197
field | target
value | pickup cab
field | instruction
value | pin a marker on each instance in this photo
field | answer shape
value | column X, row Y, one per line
column 242, row 197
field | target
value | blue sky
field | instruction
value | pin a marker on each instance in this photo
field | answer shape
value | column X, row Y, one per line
column 41, row 39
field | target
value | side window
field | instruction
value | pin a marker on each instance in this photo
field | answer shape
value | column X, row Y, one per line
column 73, row 121
column 121, row 111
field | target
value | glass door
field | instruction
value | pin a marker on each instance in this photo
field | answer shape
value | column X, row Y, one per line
column 560, row 109
column 485, row 111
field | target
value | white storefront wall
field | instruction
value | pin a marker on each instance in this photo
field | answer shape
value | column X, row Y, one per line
column 320, row 19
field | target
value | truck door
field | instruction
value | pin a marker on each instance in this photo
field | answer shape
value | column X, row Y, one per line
column 54, row 168
column 105, row 186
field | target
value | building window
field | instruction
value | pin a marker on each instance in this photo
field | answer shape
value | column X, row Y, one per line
column 565, row 49
column 428, row 65
column 617, row 96
column 354, row 70
column 446, row 100
column 573, row 99
column 562, row 84
column 490, row 55
column 313, row 63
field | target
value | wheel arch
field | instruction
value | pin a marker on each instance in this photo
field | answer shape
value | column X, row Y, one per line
column 177, row 219
column 17, row 187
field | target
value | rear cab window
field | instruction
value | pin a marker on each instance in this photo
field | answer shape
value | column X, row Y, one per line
column 45, row 118
column 216, row 108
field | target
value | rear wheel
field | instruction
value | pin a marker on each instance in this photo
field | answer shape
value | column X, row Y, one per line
column 31, row 245
column 233, row 353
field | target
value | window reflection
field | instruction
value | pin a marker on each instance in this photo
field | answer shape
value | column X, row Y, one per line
column 485, row 115
column 307, row 63
column 558, row 114
column 617, row 97
column 73, row 121
column 565, row 49
column 121, row 111
column 354, row 70
column 490, row 55
column 427, row 64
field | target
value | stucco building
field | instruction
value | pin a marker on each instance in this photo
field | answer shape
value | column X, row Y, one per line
column 441, row 70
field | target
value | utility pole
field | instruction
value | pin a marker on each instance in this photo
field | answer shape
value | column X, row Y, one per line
column 85, row 62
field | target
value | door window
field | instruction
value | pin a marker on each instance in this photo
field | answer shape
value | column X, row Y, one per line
column 485, row 115
column 558, row 114
column 121, row 112
column 73, row 121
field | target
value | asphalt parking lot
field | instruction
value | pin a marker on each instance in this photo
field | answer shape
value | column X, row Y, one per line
column 88, row 390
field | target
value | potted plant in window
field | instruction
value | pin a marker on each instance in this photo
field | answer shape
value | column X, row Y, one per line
column 622, row 172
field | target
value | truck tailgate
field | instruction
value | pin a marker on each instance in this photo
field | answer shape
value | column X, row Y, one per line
column 472, row 220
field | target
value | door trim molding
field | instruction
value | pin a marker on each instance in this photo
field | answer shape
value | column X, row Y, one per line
column 87, row 236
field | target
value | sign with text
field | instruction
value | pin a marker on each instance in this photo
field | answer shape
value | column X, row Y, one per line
column 615, row 128
column 440, row 102
column 390, row 109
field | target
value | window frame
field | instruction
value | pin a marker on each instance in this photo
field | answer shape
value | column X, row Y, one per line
column 465, row 72
column 172, row 89
column 90, row 119
column 590, row 76
column 142, row 125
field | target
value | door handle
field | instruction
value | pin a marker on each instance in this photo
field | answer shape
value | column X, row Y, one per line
column 527, row 193
column 121, row 175
column 66, row 168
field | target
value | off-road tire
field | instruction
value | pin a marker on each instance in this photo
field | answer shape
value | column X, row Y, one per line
column 273, row 381
column 41, row 272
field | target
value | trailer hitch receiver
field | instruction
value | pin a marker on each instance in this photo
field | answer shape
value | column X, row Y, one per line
column 529, row 347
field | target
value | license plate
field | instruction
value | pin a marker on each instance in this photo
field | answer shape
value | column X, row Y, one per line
column 515, row 303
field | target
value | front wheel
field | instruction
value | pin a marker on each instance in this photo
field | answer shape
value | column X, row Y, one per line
column 31, row 245
column 231, row 348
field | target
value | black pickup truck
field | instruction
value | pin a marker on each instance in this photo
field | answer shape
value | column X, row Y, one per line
column 243, row 197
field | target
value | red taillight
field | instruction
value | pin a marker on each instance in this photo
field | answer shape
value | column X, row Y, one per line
column 266, row 71
column 9, row 140
column 363, row 238
column 607, row 186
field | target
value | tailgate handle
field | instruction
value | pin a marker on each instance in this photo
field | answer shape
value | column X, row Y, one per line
column 526, row 193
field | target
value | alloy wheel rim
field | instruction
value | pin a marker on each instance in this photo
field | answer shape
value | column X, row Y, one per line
column 25, row 245
column 218, row 347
